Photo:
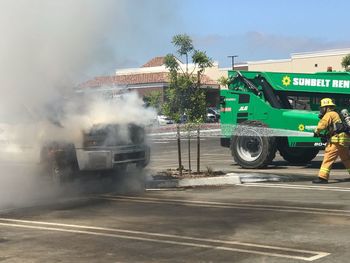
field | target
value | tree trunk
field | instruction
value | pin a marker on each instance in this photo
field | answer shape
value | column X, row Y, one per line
column 179, row 148
column 189, row 150
column 198, row 149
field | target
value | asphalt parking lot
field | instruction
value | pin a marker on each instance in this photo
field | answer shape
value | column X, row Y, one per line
column 234, row 224
column 213, row 156
column 251, row 222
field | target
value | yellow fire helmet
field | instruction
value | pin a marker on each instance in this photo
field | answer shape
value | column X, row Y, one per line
column 327, row 102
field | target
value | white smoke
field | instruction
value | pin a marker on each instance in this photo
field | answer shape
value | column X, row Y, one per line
column 82, row 113
column 47, row 48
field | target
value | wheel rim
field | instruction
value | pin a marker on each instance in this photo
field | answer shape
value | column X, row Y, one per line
column 56, row 175
column 250, row 147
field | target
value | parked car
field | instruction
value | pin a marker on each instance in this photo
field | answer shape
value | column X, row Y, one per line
column 213, row 115
column 210, row 118
column 164, row 120
column 183, row 118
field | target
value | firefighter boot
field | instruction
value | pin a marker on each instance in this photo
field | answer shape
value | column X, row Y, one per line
column 320, row 180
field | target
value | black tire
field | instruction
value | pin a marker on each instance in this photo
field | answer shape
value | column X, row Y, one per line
column 60, row 166
column 60, row 175
column 295, row 155
column 253, row 151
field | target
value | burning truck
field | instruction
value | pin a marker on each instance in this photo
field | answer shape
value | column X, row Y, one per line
column 105, row 147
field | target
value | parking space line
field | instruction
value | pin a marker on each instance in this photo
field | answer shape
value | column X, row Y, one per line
column 275, row 208
column 273, row 251
column 159, row 159
column 155, row 165
column 214, row 154
column 298, row 186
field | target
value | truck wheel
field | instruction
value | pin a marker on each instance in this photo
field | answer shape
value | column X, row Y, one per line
column 56, row 173
column 295, row 155
column 60, row 175
column 253, row 151
column 59, row 162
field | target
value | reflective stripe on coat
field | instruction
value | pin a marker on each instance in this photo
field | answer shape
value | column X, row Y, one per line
column 328, row 122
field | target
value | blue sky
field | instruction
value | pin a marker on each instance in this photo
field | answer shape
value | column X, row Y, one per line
column 56, row 44
column 251, row 29
column 308, row 17
column 80, row 39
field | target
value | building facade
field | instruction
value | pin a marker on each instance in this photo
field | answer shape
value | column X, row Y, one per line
column 152, row 76
column 308, row 62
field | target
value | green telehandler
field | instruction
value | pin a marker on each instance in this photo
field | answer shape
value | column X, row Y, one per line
column 266, row 112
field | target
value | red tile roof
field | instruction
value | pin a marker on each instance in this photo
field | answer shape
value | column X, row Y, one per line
column 134, row 79
column 129, row 79
column 154, row 62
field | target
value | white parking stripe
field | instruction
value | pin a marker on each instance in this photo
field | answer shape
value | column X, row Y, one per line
column 159, row 159
column 293, row 209
column 186, row 240
column 214, row 154
column 298, row 186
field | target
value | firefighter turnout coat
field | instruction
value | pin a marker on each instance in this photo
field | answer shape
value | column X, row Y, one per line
column 337, row 145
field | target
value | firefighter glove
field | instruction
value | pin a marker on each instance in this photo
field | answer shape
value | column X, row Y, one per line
column 324, row 139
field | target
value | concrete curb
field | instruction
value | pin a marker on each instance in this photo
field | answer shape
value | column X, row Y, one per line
column 217, row 180
column 228, row 179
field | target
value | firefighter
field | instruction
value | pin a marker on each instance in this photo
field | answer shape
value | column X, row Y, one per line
column 337, row 143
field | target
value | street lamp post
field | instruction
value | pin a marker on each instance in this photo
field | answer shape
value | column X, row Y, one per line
column 233, row 60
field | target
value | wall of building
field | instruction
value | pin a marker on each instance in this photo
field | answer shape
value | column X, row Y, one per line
column 212, row 97
column 146, row 91
column 215, row 72
column 309, row 62
column 271, row 65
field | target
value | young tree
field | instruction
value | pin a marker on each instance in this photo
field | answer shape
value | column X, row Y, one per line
column 184, row 96
column 223, row 81
column 346, row 62
column 184, row 46
column 198, row 105
column 174, row 107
